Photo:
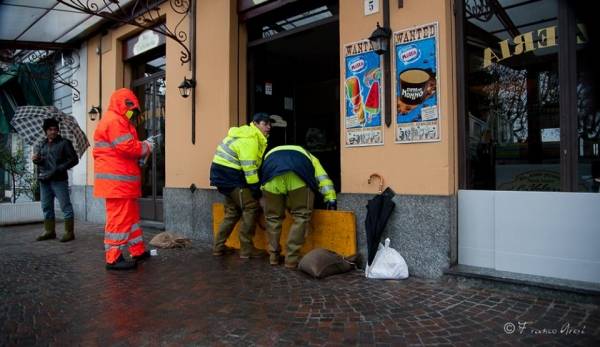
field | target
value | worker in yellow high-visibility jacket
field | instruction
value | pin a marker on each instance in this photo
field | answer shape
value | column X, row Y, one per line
column 290, row 178
column 234, row 171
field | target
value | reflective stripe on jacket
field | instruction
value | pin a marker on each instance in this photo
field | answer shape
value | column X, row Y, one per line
column 117, row 150
column 241, row 150
column 283, row 159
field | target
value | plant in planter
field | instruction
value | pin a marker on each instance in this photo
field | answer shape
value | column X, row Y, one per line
column 22, row 180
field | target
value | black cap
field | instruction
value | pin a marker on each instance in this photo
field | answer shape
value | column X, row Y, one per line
column 49, row 122
column 262, row 117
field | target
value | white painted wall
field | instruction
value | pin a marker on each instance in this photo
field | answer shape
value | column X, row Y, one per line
column 539, row 233
column 64, row 100
column 79, row 172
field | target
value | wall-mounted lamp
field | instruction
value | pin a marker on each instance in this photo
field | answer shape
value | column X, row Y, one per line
column 94, row 112
column 186, row 86
column 380, row 39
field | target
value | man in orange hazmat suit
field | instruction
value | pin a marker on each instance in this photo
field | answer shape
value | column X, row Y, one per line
column 117, row 178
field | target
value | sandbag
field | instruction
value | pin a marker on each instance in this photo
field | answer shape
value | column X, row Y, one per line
column 320, row 263
column 170, row 240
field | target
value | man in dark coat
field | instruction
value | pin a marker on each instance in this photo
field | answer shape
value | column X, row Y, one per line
column 54, row 157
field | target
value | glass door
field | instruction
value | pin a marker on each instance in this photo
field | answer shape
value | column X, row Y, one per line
column 151, row 93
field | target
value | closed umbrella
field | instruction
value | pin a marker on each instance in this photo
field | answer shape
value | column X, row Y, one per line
column 28, row 121
column 379, row 210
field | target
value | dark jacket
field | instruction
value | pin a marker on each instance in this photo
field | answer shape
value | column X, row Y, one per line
column 226, row 179
column 56, row 158
column 279, row 162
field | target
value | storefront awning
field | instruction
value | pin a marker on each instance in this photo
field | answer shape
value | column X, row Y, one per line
column 45, row 24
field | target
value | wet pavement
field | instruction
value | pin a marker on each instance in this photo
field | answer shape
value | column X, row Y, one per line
column 60, row 294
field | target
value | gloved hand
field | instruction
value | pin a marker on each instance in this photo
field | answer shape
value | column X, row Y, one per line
column 255, row 190
column 331, row 205
column 151, row 144
column 154, row 138
column 143, row 160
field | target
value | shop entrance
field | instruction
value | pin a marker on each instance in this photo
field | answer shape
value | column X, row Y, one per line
column 149, row 86
column 293, row 73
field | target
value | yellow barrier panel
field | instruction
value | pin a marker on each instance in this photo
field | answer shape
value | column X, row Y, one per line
column 333, row 230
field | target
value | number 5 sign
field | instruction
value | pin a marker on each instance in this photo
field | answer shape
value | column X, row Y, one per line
column 371, row 6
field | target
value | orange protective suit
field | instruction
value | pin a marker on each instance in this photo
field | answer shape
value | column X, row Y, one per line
column 117, row 175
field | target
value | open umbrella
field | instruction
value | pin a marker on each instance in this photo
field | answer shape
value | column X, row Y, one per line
column 28, row 121
column 379, row 210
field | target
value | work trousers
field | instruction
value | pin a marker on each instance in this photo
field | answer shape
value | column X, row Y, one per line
column 59, row 189
column 238, row 204
column 300, row 203
column 122, row 229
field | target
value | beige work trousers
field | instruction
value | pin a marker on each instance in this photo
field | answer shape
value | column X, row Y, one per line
column 238, row 204
column 300, row 203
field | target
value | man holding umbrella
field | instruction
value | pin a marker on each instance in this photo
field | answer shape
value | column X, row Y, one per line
column 117, row 152
column 54, row 157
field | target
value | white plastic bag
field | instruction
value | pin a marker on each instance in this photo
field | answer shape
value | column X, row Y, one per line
column 387, row 264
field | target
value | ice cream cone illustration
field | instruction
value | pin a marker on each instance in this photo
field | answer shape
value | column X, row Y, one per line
column 352, row 87
column 359, row 111
column 353, row 94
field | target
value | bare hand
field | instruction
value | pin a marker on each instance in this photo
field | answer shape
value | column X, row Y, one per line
column 35, row 157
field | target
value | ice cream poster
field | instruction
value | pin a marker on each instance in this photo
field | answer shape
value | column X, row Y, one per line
column 416, row 84
column 362, row 95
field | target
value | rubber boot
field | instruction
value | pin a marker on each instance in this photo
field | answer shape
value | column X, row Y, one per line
column 253, row 253
column 141, row 257
column 275, row 258
column 222, row 251
column 49, row 230
column 69, row 231
column 121, row 264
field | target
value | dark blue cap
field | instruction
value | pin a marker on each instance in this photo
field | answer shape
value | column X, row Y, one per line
column 262, row 117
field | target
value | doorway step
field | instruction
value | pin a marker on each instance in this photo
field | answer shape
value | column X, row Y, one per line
column 152, row 224
column 558, row 284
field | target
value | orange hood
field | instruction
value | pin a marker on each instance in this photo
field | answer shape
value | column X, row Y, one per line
column 117, row 101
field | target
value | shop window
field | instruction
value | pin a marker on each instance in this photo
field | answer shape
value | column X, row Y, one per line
column 588, row 115
column 517, row 130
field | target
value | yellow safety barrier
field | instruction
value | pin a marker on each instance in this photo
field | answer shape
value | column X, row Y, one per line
column 333, row 230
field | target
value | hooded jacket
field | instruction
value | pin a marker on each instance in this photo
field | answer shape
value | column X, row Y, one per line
column 117, row 150
column 237, row 159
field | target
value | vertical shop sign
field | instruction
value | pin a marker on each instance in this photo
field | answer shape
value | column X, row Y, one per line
column 417, row 84
column 362, row 89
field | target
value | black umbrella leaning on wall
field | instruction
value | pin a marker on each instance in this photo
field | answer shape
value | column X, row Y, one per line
column 28, row 121
column 379, row 210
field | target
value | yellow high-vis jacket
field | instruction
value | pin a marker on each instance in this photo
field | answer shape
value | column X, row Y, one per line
column 241, row 152
column 290, row 167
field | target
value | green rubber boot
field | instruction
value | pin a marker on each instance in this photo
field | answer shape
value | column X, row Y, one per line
column 69, row 231
column 50, row 232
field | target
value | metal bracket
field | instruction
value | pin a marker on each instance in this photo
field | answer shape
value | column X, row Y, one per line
column 69, row 61
column 143, row 14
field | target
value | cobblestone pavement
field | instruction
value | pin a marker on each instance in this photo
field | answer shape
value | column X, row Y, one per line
column 60, row 294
